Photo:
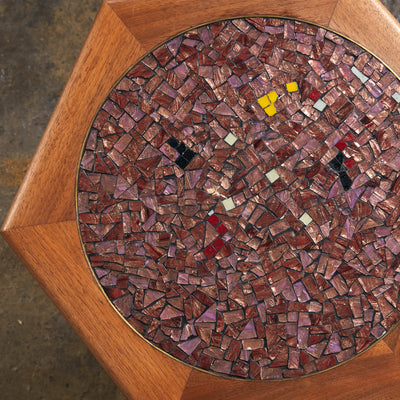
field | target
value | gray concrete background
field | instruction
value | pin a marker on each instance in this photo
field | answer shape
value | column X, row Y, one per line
column 41, row 357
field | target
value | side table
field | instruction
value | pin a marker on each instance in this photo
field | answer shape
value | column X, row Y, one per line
column 44, row 229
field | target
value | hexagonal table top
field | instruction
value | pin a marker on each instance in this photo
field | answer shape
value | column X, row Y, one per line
column 214, row 205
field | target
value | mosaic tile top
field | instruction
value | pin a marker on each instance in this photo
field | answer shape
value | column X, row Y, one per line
column 238, row 198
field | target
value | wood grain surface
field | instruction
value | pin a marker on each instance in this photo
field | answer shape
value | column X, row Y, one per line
column 371, row 376
column 42, row 228
column 152, row 22
column 129, row 360
column 48, row 191
column 370, row 24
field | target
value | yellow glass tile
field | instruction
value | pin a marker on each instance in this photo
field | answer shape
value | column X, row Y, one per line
column 271, row 110
column 292, row 87
column 264, row 101
column 273, row 96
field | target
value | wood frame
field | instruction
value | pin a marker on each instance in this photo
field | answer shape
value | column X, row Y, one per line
column 42, row 227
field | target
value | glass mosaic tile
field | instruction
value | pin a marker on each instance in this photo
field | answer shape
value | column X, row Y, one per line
column 270, row 110
column 291, row 87
column 306, row 219
column 320, row 105
column 264, row 101
column 238, row 198
column 228, row 204
column 230, row 138
column 272, row 175
column 359, row 74
column 396, row 96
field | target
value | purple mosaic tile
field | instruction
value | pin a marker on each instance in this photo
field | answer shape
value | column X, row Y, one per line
column 238, row 198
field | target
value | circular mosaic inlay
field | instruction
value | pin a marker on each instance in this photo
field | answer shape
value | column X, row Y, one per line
column 238, row 198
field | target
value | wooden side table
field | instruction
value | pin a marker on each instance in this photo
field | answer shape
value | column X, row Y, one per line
column 42, row 224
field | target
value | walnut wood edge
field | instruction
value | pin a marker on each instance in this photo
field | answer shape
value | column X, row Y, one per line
column 374, row 374
column 47, row 194
column 152, row 22
column 370, row 24
column 52, row 254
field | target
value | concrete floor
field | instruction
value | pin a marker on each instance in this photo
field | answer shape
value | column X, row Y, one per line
column 41, row 356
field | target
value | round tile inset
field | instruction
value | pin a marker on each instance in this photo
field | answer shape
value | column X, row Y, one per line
column 238, row 198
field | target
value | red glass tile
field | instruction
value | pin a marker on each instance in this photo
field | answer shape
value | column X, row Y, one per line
column 221, row 229
column 341, row 145
column 314, row 95
column 213, row 220
column 349, row 137
column 210, row 251
column 349, row 163
column 219, row 243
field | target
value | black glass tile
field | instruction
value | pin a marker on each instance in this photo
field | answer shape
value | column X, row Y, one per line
column 181, row 148
column 173, row 142
column 189, row 154
column 182, row 162
column 345, row 180
column 337, row 163
column 340, row 157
